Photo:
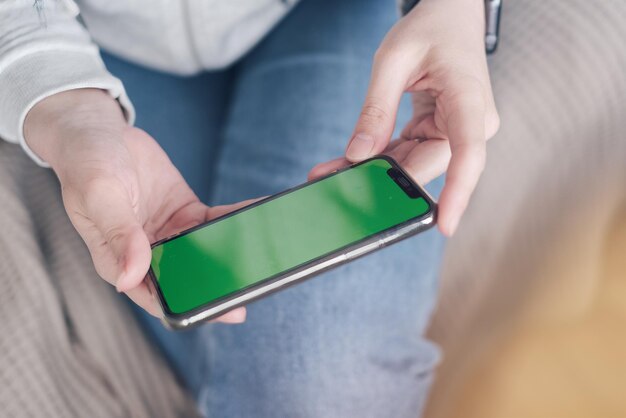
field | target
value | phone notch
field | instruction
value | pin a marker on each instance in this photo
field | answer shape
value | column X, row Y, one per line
column 404, row 182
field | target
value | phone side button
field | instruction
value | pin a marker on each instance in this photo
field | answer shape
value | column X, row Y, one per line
column 363, row 250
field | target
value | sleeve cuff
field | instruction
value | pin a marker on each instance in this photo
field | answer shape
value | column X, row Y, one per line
column 406, row 6
column 33, row 77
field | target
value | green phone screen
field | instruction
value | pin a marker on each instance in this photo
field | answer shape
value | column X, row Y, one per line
column 280, row 234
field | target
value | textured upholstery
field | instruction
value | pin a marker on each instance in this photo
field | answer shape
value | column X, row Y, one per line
column 555, row 179
column 70, row 346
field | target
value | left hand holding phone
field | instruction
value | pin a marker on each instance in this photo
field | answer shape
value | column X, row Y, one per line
column 120, row 189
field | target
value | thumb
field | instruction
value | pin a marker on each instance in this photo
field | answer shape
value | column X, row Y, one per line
column 378, row 116
column 133, row 254
column 125, row 257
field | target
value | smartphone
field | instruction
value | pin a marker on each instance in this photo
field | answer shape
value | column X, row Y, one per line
column 205, row 271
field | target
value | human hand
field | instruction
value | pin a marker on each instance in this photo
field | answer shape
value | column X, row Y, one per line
column 437, row 53
column 120, row 189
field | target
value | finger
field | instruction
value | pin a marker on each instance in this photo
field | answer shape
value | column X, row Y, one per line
column 236, row 316
column 187, row 215
column 423, row 108
column 327, row 167
column 394, row 144
column 399, row 149
column 377, row 119
column 423, row 102
column 109, row 207
column 424, row 161
column 142, row 296
column 465, row 121
column 217, row 211
column 423, row 127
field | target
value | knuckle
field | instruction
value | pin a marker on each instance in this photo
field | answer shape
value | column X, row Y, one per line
column 389, row 54
column 114, row 234
column 387, row 48
column 374, row 112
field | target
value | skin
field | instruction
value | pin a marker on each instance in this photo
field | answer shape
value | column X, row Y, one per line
column 121, row 191
column 437, row 54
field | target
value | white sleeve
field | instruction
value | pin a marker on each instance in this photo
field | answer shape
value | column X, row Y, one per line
column 406, row 6
column 44, row 50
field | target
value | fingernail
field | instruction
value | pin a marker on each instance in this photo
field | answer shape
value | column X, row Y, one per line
column 360, row 147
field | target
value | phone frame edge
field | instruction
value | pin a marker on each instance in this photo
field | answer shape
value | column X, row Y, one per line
column 311, row 269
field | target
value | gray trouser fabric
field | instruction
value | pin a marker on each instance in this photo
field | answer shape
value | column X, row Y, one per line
column 69, row 347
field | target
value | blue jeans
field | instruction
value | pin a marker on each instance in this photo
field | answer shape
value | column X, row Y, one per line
column 350, row 342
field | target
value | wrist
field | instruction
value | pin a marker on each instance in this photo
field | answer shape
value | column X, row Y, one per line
column 58, row 120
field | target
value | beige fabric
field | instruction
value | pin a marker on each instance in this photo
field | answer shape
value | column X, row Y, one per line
column 69, row 346
column 555, row 178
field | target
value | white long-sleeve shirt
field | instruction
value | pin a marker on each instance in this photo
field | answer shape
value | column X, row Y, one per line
column 49, row 46
column 44, row 49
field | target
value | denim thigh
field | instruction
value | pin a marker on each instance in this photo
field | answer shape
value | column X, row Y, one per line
column 350, row 342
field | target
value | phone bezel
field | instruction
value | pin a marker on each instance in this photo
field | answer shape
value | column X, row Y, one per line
column 301, row 272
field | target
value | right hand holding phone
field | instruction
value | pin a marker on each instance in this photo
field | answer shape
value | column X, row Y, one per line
column 437, row 53
column 120, row 189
